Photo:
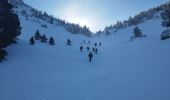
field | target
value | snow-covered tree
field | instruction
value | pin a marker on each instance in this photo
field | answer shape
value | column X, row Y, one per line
column 3, row 53
column 99, row 32
column 37, row 35
column 119, row 25
column 166, row 16
column 51, row 41
column 32, row 42
column 137, row 32
column 165, row 34
column 51, row 20
column 85, row 31
column 43, row 38
column 77, row 29
column 45, row 14
column 69, row 42
column 107, row 31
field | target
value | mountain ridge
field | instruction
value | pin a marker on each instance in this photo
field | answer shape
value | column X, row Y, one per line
column 152, row 13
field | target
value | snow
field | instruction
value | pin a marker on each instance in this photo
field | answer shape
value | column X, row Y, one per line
column 122, row 70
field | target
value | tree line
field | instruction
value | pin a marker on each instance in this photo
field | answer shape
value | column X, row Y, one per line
column 166, row 22
column 70, row 27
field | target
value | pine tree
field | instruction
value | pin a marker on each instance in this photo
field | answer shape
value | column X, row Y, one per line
column 37, row 35
column 51, row 20
column 166, row 16
column 51, row 41
column 32, row 42
column 137, row 32
column 69, row 42
column 3, row 53
column 44, row 38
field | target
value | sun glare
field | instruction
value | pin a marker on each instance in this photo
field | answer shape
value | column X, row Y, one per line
column 75, row 14
column 80, row 21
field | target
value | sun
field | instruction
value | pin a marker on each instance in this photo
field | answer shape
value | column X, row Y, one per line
column 74, row 14
column 80, row 21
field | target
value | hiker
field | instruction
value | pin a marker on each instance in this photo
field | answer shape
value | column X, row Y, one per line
column 90, row 56
column 100, row 44
column 95, row 44
column 93, row 49
column 89, row 42
column 81, row 48
column 96, row 50
column 88, row 48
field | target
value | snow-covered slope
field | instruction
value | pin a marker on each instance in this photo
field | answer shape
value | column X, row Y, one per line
column 122, row 69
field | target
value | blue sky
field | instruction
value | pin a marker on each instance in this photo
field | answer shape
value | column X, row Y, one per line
column 96, row 14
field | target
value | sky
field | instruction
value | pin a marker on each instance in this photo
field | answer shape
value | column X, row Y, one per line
column 96, row 14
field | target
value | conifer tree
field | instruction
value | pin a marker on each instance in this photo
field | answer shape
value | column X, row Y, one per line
column 166, row 16
column 137, row 32
column 37, row 35
column 32, row 42
column 69, row 42
column 3, row 53
column 51, row 41
column 44, row 38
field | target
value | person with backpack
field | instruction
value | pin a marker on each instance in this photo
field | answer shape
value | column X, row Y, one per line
column 96, row 51
column 100, row 44
column 95, row 44
column 90, row 56
column 93, row 49
column 88, row 48
column 81, row 48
